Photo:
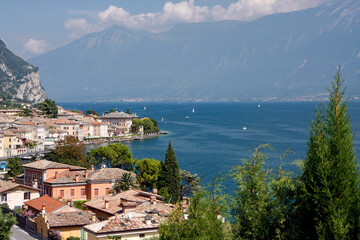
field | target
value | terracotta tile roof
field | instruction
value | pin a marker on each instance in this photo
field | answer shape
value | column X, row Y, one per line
column 115, row 201
column 45, row 164
column 51, row 204
column 109, row 174
column 63, row 219
column 9, row 133
column 100, row 123
column 68, row 177
column 125, row 223
column 163, row 209
column 5, row 186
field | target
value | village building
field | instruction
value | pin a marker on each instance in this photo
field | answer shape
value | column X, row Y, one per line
column 69, row 224
column 63, row 181
column 119, row 119
column 109, row 205
column 137, row 219
column 36, row 173
column 102, row 180
column 14, row 195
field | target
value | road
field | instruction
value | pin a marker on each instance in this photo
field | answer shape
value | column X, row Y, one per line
column 19, row 234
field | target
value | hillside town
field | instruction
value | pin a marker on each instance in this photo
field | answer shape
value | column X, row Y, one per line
column 54, row 200
column 46, row 192
column 21, row 135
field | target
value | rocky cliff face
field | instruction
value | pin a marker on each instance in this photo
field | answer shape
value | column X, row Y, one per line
column 19, row 80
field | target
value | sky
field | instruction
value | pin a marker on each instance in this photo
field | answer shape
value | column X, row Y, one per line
column 32, row 27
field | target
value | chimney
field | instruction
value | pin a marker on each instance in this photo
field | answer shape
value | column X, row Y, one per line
column 130, row 188
column 114, row 191
column 86, row 174
column 93, row 218
column 101, row 166
column 92, row 168
column 36, row 159
column 148, row 219
column 43, row 208
column 154, row 191
column 106, row 204
column 76, row 178
column 153, row 200
column 56, row 175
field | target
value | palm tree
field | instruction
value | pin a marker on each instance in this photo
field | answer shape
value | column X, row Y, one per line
column 126, row 181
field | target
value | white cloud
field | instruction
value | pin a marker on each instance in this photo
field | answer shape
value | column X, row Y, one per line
column 78, row 26
column 36, row 46
column 185, row 11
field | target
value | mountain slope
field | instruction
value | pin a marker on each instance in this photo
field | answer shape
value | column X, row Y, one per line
column 19, row 79
column 278, row 56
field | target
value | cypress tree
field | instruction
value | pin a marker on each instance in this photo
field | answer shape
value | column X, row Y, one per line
column 330, row 175
column 172, row 174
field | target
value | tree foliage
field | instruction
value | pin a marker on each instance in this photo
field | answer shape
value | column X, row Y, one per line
column 49, row 108
column 91, row 112
column 148, row 172
column 172, row 173
column 126, row 181
column 189, row 183
column 331, row 176
column 14, row 166
column 150, row 125
column 113, row 155
column 6, row 222
column 205, row 219
column 70, row 151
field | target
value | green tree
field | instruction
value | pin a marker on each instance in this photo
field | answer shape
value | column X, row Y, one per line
column 189, row 183
column 172, row 173
column 205, row 219
column 126, row 181
column 128, row 111
column 71, row 151
column 251, row 198
column 93, row 112
column 49, row 108
column 136, row 124
column 113, row 155
column 14, row 166
column 101, row 155
column 6, row 222
column 124, row 157
column 148, row 172
column 330, row 175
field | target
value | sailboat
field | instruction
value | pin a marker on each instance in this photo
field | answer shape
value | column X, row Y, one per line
column 145, row 108
column 193, row 110
column 162, row 119
column 258, row 105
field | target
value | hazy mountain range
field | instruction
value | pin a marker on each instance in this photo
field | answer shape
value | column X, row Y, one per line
column 287, row 55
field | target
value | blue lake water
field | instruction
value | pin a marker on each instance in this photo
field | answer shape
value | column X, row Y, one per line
column 212, row 139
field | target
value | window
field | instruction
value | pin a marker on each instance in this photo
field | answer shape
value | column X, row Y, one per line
column 83, row 192
column 142, row 235
column 26, row 195
column 61, row 193
column 107, row 190
column 72, row 192
column 96, row 192
column 33, row 176
column 9, row 139
column 4, row 197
